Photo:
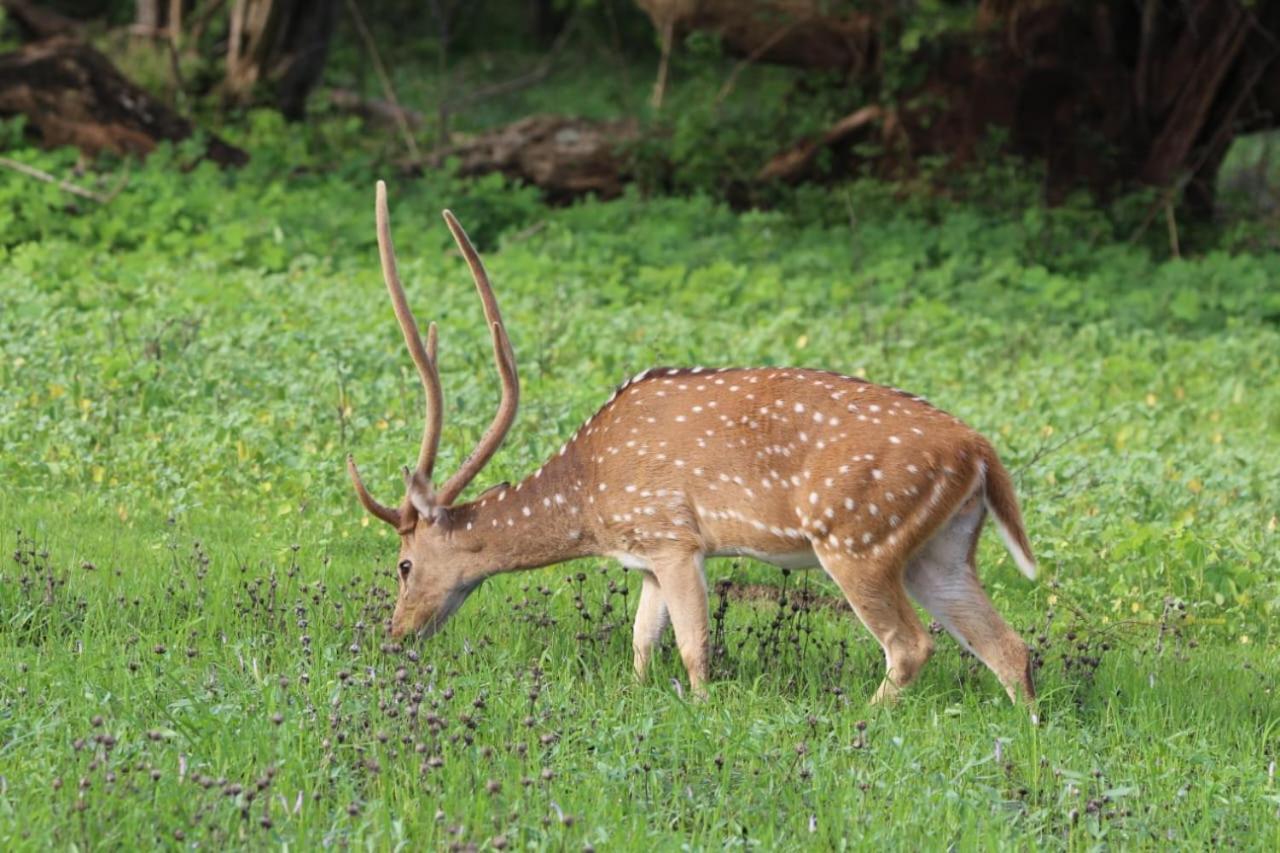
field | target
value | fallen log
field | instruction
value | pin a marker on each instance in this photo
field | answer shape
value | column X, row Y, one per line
column 565, row 157
column 72, row 95
column 38, row 21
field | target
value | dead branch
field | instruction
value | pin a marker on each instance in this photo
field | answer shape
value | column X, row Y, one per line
column 201, row 18
column 1049, row 449
column 523, row 81
column 790, row 165
column 750, row 60
column 45, row 177
column 664, row 64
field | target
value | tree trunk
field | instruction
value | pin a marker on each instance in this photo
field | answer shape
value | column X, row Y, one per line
column 1106, row 94
column 280, row 44
column 148, row 15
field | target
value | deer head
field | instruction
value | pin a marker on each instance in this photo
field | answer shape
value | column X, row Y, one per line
column 436, row 570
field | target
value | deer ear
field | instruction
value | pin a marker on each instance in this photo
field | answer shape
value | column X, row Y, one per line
column 421, row 495
column 422, row 503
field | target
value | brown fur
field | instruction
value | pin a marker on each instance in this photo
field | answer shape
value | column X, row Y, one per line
column 798, row 467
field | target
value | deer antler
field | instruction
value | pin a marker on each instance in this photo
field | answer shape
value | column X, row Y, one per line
column 417, row 481
column 505, row 360
column 423, row 357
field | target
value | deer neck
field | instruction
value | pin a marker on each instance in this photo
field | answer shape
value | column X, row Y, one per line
column 539, row 521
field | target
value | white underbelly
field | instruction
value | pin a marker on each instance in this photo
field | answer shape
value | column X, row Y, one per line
column 803, row 559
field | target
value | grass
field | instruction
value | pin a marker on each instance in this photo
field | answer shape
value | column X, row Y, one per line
column 191, row 618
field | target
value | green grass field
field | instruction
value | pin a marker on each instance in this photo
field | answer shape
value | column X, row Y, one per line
column 192, row 603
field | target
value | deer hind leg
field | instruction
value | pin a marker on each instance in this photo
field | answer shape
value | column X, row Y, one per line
column 942, row 576
column 684, row 589
column 651, row 619
column 874, row 589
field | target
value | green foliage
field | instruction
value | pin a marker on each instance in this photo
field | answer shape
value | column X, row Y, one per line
column 295, row 194
column 191, row 362
column 721, row 124
column 1249, row 193
column 920, row 31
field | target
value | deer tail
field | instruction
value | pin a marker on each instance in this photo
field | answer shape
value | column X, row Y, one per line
column 1002, row 501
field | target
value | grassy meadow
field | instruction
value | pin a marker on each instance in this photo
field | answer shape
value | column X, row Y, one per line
column 192, row 603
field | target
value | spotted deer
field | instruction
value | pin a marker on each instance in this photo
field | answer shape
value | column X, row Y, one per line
column 795, row 467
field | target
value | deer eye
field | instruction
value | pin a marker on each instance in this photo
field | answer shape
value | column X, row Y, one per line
column 405, row 566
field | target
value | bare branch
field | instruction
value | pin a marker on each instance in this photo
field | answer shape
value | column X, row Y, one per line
column 1049, row 449
column 522, row 81
column 750, row 59
column 388, row 90
column 790, row 164
column 65, row 186
column 660, row 83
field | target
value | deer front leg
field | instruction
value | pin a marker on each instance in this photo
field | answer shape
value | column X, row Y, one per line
column 651, row 619
column 684, row 589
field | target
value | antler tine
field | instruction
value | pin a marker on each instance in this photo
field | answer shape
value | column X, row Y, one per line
column 386, row 513
column 423, row 358
column 505, row 360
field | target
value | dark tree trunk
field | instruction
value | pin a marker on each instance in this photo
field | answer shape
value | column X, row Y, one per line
column 281, row 45
column 1107, row 94
column 546, row 19
column 1152, row 93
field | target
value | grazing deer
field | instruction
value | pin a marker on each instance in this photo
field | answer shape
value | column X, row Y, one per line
column 795, row 467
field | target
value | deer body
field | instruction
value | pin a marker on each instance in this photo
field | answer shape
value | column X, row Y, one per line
column 800, row 468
